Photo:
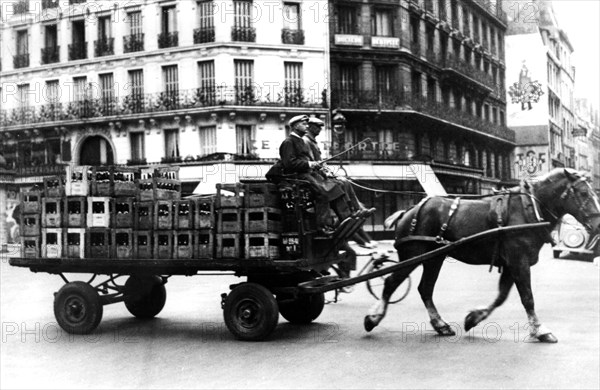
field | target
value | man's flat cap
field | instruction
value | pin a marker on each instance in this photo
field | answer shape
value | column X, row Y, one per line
column 298, row 118
column 315, row 121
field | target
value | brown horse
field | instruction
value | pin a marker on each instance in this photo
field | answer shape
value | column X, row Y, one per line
column 441, row 220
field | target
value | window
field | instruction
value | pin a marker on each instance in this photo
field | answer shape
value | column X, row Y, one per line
column 502, row 123
column 135, row 40
column 244, row 76
column 348, row 80
column 382, row 22
column 414, row 29
column 347, row 20
column 107, row 92
column 206, row 11
column 52, row 94
column 385, row 80
column 169, row 19
column 22, row 42
column 104, row 30
column 50, row 36
column 486, row 112
column 206, row 80
column 244, row 140
column 79, row 88
column 416, row 84
column 431, row 90
column 23, row 95
column 208, row 140
column 170, row 79
column 457, row 100
column 466, row 27
column 495, row 115
column 171, row 143
column 439, row 152
column 136, row 82
column 134, row 21
column 78, row 47
column 242, row 29
column 104, row 44
column 430, row 32
column 136, row 140
column 293, row 83
column 442, row 9
column 291, row 16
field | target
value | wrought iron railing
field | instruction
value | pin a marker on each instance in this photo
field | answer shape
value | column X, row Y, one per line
column 20, row 7
column 72, row 2
column 168, row 39
column 77, row 51
column 204, row 35
column 398, row 101
column 50, row 54
column 295, row 37
column 104, row 47
column 164, row 102
column 453, row 62
column 133, row 42
column 243, row 34
column 21, row 60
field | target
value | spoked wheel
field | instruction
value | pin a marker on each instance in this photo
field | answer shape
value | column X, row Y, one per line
column 375, row 286
column 144, row 295
column 77, row 308
column 251, row 312
column 303, row 309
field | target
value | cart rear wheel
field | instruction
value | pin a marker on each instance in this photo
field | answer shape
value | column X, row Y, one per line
column 144, row 296
column 375, row 286
column 250, row 312
column 77, row 308
column 304, row 309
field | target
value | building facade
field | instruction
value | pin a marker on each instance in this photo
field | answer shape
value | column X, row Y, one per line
column 540, row 83
column 207, row 85
column 587, row 134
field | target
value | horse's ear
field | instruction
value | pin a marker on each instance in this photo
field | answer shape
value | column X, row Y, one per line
column 570, row 174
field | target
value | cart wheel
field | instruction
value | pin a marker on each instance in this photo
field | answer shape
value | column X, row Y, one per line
column 144, row 296
column 250, row 312
column 375, row 286
column 77, row 308
column 304, row 309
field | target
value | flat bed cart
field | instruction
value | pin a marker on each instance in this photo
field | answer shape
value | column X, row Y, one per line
column 294, row 288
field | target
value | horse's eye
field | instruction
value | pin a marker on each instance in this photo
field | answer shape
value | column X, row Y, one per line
column 585, row 194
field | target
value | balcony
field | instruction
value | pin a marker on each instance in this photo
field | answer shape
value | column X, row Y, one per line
column 104, row 47
column 459, row 67
column 204, row 35
column 243, row 34
column 294, row 37
column 403, row 102
column 73, row 2
column 20, row 7
column 21, row 60
column 78, row 51
column 133, row 43
column 50, row 55
column 168, row 39
column 494, row 9
column 163, row 102
column 47, row 4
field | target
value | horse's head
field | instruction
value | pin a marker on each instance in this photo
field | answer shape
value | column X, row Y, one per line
column 569, row 192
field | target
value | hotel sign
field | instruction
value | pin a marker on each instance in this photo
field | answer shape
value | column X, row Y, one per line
column 348, row 40
column 385, row 42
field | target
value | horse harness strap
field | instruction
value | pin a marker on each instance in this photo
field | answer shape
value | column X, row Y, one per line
column 440, row 237
column 413, row 223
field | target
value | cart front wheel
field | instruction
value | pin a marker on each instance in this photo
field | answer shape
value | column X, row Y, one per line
column 77, row 308
column 144, row 296
column 304, row 309
column 250, row 312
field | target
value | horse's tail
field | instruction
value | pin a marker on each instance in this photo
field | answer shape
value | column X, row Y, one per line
column 393, row 219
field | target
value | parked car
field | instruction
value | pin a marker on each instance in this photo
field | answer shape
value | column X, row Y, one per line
column 571, row 236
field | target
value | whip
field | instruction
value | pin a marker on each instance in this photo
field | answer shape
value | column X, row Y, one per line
column 346, row 150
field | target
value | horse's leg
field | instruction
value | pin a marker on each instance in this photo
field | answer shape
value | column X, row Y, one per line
column 476, row 316
column 431, row 271
column 522, row 275
column 390, row 285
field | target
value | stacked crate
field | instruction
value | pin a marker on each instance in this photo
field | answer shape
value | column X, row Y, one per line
column 262, row 221
column 204, row 222
column 228, row 207
column 30, row 223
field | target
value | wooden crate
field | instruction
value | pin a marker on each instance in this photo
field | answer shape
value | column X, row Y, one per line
column 229, row 221
column 229, row 196
column 52, row 212
column 74, row 243
column 262, row 220
column 205, row 244
column 99, row 211
column 145, row 189
column 52, row 242
column 31, row 202
column 123, row 212
column 204, row 212
column 124, row 179
column 291, row 246
column 31, row 225
column 184, row 244
column 262, row 245
column 143, row 244
column 123, row 243
column 169, row 172
column 79, row 179
column 163, row 244
column 54, row 186
column 30, row 247
column 156, row 188
column 98, row 243
column 143, row 215
column 76, row 211
column 103, row 182
column 184, row 214
column 261, row 195
column 163, row 215
column 228, row 246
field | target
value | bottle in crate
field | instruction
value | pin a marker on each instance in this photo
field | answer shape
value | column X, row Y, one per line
column 163, row 245
column 143, row 244
column 143, row 215
column 184, row 214
column 79, row 179
column 98, row 243
column 163, row 215
column 262, row 220
column 145, row 189
column 31, row 202
column 74, row 243
column 102, row 181
column 30, row 247
column 76, row 211
column 167, row 189
column 54, row 187
column 184, row 244
column 204, row 212
column 123, row 216
column 52, row 212
column 52, row 242
column 262, row 245
column 205, row 244
column 228, row 246
column 125, row 181
column 30, row 225
column 123, row 243
column 99, row 211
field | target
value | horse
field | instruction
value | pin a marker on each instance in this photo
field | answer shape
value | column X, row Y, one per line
column 441, row 220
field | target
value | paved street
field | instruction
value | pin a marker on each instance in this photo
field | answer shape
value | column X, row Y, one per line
column 188, row 346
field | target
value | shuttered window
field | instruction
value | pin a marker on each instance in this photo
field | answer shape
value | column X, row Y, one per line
column 170, row 79
column 382, row 23
column 51, row 94
column 244, row 139
column 169, row 19
column 349, row 78
column 208, row 140
column 136, row 82
column 171, row 142
column 104, row 28
column 79, row 88
column 23, row 95
column 385, row 79
column 22, row 42
column 137, row 145
column 206, row 75
column 347, row 21
column 206, row 10
column 107, row 86
column 244, row 73
column 291, row 16
column 134, row 19
column 242, row 13
column 293, row 76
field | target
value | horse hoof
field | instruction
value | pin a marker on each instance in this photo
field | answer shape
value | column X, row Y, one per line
column 369, row 323
column 473, row 318
column 445, row 330
column 547, row 338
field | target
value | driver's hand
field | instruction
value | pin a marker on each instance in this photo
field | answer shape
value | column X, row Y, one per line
column 313, row 165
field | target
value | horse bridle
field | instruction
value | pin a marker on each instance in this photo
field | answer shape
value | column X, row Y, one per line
column 570, row 191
